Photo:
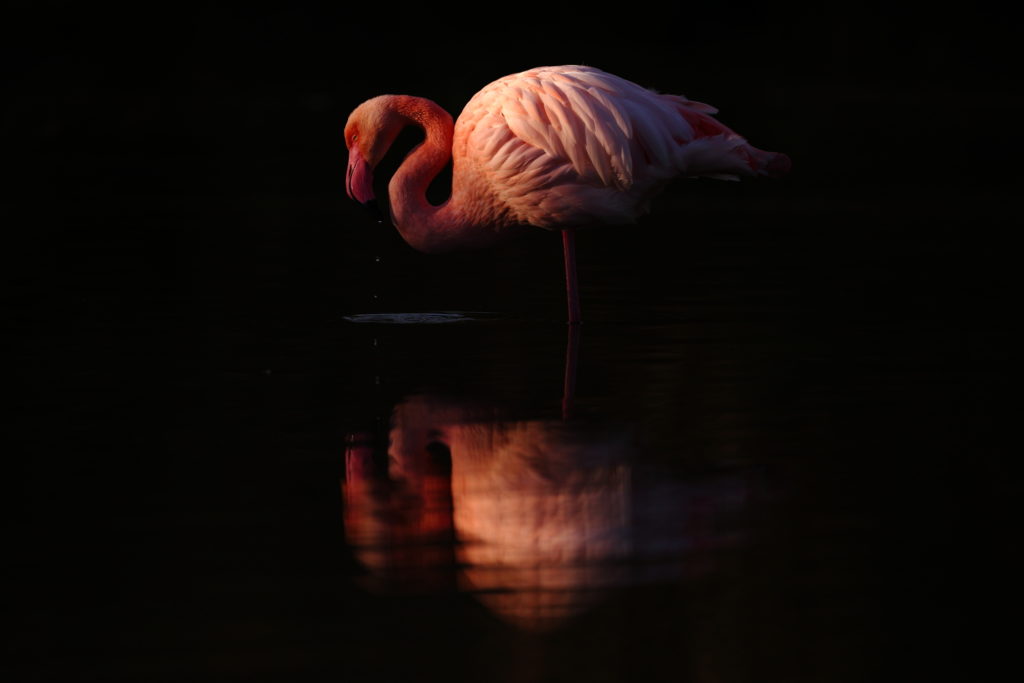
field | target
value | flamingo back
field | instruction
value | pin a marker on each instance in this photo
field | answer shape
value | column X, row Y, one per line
column 574, row 145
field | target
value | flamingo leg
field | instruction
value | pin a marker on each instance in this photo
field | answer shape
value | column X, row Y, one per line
column 569, row 383
column 571, row 287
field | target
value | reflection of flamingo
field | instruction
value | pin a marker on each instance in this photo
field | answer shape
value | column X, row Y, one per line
column 552, row 147
column 545, row 517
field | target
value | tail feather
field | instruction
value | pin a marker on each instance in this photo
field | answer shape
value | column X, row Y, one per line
column 770, row 164
column 718, row 151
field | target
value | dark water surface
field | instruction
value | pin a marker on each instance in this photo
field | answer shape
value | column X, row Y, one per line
column 780, row 460
column 256, row 438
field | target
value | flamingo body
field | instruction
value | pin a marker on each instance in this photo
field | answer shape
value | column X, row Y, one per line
column 552, row 147
column 573, row 146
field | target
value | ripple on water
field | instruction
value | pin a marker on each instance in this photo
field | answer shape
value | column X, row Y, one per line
column 421, row 318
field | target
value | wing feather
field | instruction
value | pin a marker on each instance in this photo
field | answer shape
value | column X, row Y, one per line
column 543, row 132
column 600, row 125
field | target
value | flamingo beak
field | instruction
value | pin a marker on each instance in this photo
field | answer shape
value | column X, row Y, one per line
column 359, row 182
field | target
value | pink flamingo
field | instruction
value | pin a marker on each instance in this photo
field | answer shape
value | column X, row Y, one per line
column 553, row 147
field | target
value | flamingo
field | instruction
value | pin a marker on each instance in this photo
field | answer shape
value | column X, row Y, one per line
column 555, row 147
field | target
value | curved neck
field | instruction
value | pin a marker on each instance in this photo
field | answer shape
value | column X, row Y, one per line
column 424, row 226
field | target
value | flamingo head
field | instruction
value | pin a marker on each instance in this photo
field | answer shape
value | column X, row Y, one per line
column 371, row 129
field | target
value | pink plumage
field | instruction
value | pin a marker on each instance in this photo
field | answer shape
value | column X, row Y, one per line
column 553, row 147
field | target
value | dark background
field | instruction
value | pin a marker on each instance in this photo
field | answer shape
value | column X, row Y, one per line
column 179, row 250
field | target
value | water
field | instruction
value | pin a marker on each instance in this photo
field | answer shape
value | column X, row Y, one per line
column 782, row 454
column 777, row 458
column 417, row 318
